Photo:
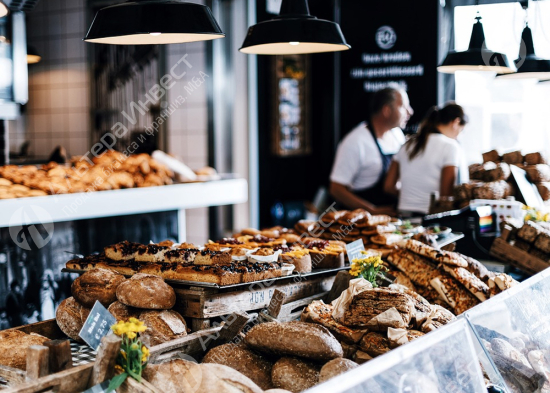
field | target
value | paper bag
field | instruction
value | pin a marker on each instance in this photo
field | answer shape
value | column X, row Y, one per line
column 341, row 304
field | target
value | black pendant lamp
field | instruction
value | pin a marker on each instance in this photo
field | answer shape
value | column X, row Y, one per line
column 32, row 55
column 147, row 22
column 529, row 65
column 3, row 9
column 294, row 31
column 477, row 57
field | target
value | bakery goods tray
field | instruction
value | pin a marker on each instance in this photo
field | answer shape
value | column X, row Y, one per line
column 313, row 273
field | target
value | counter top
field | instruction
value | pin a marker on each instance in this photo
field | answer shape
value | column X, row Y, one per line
column 80, row 206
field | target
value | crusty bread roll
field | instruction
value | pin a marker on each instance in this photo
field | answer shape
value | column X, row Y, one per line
column 307, row 340
column 162, row 326
column 96, row 284
column 491, row 156
column 294, row 374
column 122, row 312
column 290, row 237
column 534, row 159
column 247, row 362
column 336, row 367
column 277, row 391
column 69, row 318
column 146, row 291
column 250, row 231
column 13, row 347
column 514, row 157
column 173, row 376
column 217, row 378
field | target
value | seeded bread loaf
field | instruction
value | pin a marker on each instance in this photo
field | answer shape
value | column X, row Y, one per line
column 247, row 362
column 97, row 284
column 122, row 312
column 70, row 317
column 13, row 347
column 294, row 374
column 146, row 291
column 307, row 340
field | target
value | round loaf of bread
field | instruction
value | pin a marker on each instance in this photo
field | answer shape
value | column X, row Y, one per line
column 239, row 358
column 13, row 347
column 336, row 367
column 162, row 326
column 69, row 318
column 222, row 379
column 146, row 291
column 307, row 340
column 277, row 391
column 172, row 376
column 122, row 312
column 96, row 284
column 295, row 375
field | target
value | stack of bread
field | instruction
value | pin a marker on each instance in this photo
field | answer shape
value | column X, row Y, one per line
column 376, row 231
column 110, row 171
column 146, row 297
column 293, row 355
column 377, row 320
column 245, row 258
column 450, row 279
column 531, row 237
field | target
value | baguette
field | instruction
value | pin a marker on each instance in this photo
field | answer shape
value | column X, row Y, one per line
column 302, row 339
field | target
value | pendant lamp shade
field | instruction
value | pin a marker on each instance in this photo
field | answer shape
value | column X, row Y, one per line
column 294, row 31
column 32, row 55
column 148, row 22
column 3, row 10
column 477, row 57
column 528, row 64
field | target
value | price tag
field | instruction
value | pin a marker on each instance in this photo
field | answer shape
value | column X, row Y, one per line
column 354, row 249
column 101, row 388
column 97, row 325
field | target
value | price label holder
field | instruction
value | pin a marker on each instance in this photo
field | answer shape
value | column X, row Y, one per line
column 97, row 325
column 354, row 249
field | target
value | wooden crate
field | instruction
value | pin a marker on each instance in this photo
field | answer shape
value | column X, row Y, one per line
column 521, row 259
column 205, row 303
column 80, row 378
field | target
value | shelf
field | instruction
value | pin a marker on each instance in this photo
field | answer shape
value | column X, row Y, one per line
column 80, row 206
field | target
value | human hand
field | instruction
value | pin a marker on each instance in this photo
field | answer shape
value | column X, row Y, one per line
column 388, row 210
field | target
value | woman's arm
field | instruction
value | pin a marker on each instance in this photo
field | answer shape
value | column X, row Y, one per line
column 392, row 177
column 448, row 179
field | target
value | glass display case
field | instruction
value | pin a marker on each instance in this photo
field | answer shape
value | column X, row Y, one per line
column 440, row 362
column 513, row 329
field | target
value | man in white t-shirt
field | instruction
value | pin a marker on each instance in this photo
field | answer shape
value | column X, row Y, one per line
column 364, row 155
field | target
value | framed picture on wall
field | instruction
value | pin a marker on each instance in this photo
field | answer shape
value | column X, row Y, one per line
column 291, row 134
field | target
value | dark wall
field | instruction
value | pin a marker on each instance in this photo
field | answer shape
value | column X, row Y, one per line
column 371, row 62
column 287, row 179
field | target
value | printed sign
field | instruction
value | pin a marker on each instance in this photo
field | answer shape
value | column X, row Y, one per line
column 97, row 325
column 354, row 249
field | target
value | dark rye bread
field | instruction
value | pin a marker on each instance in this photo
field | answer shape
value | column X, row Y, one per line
column 295, row 375
column 13, row 347
column 307, row 340
column 336, row 367
column 146, row 291
column 247, row 362
column 162, row 326
column 96, row 284
column 70, row 317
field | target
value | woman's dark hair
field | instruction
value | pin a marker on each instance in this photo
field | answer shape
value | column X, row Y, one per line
column 434, row 118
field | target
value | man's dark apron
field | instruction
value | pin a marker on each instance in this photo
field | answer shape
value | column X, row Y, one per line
column 375, row 194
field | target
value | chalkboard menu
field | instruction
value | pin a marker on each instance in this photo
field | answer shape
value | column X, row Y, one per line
column 391, row 41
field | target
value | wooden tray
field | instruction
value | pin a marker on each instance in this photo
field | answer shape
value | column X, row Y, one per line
column 521, row 259
column 292, row 277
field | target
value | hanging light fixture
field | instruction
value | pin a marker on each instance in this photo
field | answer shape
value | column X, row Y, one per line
column 3, row 9
column 529, row 65
column 477, row 57
column 294, row 31
column 32, row 55
column 147, row 22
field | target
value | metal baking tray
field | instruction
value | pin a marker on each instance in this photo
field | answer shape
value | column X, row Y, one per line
column 315, row 272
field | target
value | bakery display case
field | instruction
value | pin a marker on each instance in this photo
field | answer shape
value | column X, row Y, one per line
column 442, row 361
column 513, row 330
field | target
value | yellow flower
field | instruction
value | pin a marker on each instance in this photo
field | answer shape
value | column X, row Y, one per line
column 118, row 368
column 131, row 335
column 123, row 354
column 145, row 350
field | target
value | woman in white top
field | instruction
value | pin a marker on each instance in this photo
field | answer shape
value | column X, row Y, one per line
column 429, row 161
